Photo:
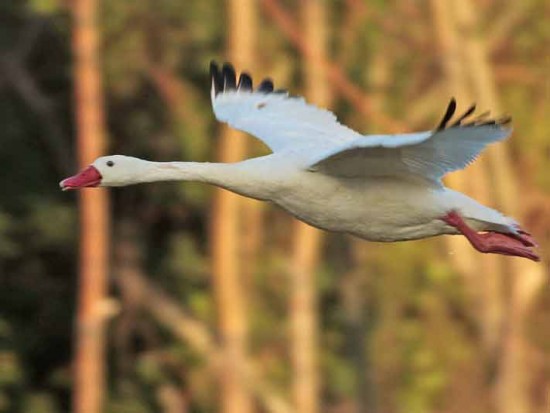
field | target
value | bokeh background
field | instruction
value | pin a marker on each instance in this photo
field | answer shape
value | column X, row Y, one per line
column 176, row 297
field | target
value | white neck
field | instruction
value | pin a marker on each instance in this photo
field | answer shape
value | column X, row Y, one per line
column 212, row 173
column 242, row 177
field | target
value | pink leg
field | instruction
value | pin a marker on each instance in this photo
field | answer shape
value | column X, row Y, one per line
column 494, row 242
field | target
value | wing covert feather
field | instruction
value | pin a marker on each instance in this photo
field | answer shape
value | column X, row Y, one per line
column 429, row 155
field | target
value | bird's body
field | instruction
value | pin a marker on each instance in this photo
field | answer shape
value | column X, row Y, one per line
column 383, row 209
column 377, row 210
column 379, row 188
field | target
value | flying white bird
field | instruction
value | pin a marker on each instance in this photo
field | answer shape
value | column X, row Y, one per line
column 376, row 187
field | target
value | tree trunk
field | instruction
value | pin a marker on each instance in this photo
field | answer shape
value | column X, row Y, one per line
column 513, row 385
column 465, row 59
column 355, row 301
column 226, row 230
column 464, row 258
column 307, row 240
column 487, row 291
column 94, row 244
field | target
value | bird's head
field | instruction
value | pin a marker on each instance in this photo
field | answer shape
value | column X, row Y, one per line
column 113, row 170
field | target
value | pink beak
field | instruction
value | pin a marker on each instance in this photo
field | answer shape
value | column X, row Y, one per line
column 88, row 177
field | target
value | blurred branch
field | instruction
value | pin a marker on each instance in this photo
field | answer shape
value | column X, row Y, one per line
column 356, row 13
column 174, row 91
column 188, row 329
column 28, row 38
column 334, row 73
column 181, row 99
column 517, row 73
column 171, row 315
column 22, row 83
column 423, row 106
column 165, row 310
column 513, row 14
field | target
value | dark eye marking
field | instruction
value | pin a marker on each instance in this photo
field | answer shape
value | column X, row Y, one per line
column 110, row 163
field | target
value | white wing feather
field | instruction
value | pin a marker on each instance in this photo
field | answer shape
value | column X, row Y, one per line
column 279, row 120
column 426, row 154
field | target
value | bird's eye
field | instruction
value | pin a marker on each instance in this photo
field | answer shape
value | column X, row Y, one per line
column 110, row 163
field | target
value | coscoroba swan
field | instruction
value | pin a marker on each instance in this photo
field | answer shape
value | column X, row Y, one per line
column 376, row 187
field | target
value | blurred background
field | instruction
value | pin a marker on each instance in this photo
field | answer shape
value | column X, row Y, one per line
column 176, row 297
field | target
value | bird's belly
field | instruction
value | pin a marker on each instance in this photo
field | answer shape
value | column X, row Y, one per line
column 374, row 211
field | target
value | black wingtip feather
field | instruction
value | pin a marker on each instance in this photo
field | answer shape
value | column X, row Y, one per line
column 505, row 120
column 216, row 76
column 480, row 120
column 481, row 117
column 448, row 114
column 245, row 82
column 470, row 110
column 229, row 77
column 266, row 86
column 213, row 68
column 226, row 80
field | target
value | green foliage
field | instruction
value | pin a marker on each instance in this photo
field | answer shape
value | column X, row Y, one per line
column 7, row 246
column 48, row 7
column 39, row 403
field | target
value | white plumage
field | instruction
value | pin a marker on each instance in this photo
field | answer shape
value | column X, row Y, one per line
column 378, row 187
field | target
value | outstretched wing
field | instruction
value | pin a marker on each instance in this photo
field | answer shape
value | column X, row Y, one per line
column 430, row 155
column 279, row 120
